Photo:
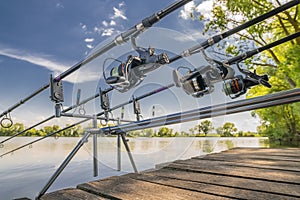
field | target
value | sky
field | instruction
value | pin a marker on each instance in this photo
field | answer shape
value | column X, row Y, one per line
column 40, row 38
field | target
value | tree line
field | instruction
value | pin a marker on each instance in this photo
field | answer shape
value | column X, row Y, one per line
column 202, row 129
column 75, row 131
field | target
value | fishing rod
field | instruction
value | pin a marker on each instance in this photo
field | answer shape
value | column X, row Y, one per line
column 232, row 107
column 143, row 96
column 53, row 116
column 217, row 38
column 236, row 85
column 87, row 118
column 99, row 114
column 119, row 40
column 44, row 137
column 192, row 115
column 200, row 81
column 132, row 72
column 251, row 53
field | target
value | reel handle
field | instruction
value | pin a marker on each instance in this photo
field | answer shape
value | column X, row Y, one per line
column 264, row 82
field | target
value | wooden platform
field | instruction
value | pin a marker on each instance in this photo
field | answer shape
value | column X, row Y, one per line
column 241, row 173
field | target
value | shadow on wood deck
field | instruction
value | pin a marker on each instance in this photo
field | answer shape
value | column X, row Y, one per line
column 240, row 173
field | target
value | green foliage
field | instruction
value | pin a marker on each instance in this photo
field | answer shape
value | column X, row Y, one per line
column 75, row 131
column 165, row 132
column 281, row 63
column 17, row 127
column 227, row 130
column 203, row 128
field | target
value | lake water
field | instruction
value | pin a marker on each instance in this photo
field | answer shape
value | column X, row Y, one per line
column 25, row 172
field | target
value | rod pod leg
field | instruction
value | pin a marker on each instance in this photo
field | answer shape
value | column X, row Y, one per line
column 119, row 146
column 119, row 152
column 95, row 149
column 123, row 136
column 83, row 140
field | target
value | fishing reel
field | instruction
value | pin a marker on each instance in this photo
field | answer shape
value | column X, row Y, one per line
column 239, row 85
column 132, row 72
column 200, row 81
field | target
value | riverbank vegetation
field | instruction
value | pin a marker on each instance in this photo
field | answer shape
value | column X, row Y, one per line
column 203, row 129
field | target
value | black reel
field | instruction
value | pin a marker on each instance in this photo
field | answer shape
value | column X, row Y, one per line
column 131, row 73
column 200, row 81
column 239, row 85
column 192, row 83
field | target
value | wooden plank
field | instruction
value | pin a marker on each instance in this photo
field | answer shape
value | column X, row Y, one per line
column 289, row 190
column 71, row 194
column 239, row 164
column 230, row 192
column 264, row 150
column 258, row 157
column 287, row 152
column 124, row 187
column 241, row 173
column 253, row 160
column 262, row 174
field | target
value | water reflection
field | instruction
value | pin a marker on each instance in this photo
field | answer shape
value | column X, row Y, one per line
column 26, row 171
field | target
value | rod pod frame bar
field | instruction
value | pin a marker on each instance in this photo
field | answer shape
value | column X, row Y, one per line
column 85, row 120
column 120, row 39
column 53, row 116
column 285, row 97
column 278, row 98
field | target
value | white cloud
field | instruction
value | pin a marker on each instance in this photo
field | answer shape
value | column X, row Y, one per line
column 204, row 8
column 88, row 40
column 112, row 23
column 187, row 10
column 89, row 46
column 83, row 26
column 108, row 32
column 104, row 23
column 36, row 59
column 98, row 30
column 56, row 67
column 59, row 5
column 110, row 28
column 122, row 4
column 106, row 27
column 191, row 34
column 118, row 14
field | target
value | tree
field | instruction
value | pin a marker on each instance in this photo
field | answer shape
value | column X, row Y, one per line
column 192, row 131
column 204, row 127
column 15, row 128
column 281, row 63
column 75, row 131
column 165, row 132
column 227, row 130
column 148, row 132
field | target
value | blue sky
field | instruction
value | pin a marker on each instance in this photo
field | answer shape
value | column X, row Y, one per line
column 39, row 38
